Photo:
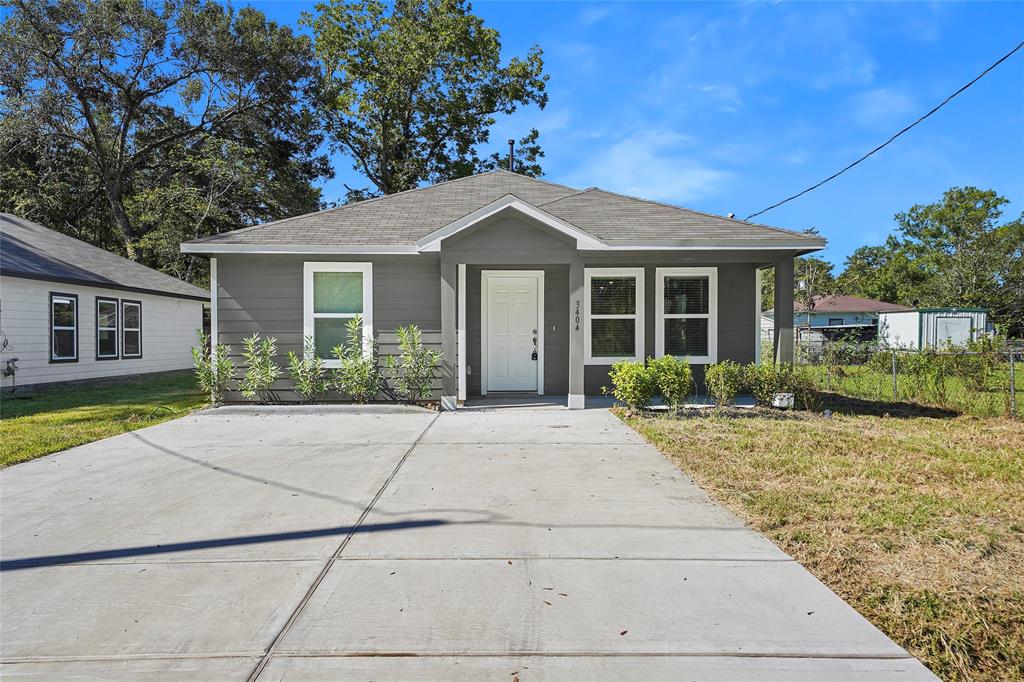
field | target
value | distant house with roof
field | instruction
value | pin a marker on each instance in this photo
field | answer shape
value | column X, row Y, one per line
column 834, row 315
column 70, row 310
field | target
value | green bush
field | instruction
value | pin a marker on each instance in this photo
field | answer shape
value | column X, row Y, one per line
column 763, row 382
column 724, row 381
column 358, row 375
column 672, row 377
column 414, row 369
column 307, row 371
column 214, row 368
column 633, row 384
column 261, row 371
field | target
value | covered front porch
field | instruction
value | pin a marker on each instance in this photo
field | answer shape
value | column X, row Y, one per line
column 516, row 333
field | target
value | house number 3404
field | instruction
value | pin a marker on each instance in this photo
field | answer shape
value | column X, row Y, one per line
column 577, row 316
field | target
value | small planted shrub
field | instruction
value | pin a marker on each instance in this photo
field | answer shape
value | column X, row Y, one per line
column 673, row 379
column 414, row 368
column 358, row 376
column 214, row 368
column 633, row 384
column 261, row 371
column 724, row 380
column 307, row 372
column 763, row 382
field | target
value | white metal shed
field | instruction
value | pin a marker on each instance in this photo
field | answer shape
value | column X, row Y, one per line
column 931, row 327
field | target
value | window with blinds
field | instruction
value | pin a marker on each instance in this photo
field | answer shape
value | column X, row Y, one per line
column 614, row 314
column 334, row 293
column 686, row 324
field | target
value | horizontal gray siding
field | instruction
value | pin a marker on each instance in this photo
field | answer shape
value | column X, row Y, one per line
column 263, row 294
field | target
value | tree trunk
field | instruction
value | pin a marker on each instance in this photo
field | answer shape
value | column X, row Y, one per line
column 121, row 218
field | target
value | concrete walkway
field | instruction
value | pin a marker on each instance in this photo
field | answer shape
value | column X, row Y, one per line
column 309, row 544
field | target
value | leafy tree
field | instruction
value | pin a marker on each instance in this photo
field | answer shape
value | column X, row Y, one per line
column 969, row 259
column 411, row 88
column 139, row 115
column 950, row 253
column 527, row 157
column 882, row 273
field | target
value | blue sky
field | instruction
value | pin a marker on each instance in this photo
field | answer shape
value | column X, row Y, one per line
column 731, row 107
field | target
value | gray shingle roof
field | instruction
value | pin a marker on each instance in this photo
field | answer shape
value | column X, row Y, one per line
column 30, row 250
column 402, row 219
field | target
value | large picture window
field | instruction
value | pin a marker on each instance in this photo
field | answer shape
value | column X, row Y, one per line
column 63, row 327
column 131, row 329
column 614, row 314
column 334, row 293
column 106, row 328
column 686, row 312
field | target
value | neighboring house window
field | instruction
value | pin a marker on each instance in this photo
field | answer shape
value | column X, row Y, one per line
column 614, row 315
column 63, row 327
column 131, row 329
column 106, row 328
column 686, row 314
column 836, row 321
column 333, row 294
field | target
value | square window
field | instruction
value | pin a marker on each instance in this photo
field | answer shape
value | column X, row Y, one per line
column 337, row 292
column 613, row 296
column 686, row 295
column 612, row 338
column 686, row 337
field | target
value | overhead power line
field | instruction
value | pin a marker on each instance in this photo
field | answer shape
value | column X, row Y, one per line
column 891, row 139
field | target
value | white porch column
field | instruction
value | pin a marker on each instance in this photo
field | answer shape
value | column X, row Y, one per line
column 576, row 398
column 449, row 378
column 462, row 333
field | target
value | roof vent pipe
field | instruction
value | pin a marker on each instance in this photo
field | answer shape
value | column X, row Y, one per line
column 730, row 215
column 511, row 156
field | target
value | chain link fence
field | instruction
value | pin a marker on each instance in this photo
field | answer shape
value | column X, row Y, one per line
column 984, row 378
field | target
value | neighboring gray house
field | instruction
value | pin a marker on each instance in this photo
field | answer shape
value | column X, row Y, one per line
column 527, row 286
column 70, row 310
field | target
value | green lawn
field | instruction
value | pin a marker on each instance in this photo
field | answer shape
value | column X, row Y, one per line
column 58, row 418
column 918, row 522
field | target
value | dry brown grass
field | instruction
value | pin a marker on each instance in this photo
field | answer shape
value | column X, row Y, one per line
column 917, row 522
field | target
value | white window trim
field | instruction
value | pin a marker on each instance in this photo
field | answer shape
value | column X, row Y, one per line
column 125, row 329
column 712, row 315
column 63, row 298
column 117, row 320
column 638, row 342
column 310, row 267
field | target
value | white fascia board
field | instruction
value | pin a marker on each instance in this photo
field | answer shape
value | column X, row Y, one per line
column 584, row 240
column 705, row 244
column 297, row 249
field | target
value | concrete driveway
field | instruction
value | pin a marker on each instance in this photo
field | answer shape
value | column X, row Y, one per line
column 304, row 544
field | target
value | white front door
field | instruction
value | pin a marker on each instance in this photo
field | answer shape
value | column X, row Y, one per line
column 511, row 332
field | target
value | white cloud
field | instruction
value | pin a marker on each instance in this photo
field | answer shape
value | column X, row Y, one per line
column 654, row 164
column 882, row 106
column 592, row 15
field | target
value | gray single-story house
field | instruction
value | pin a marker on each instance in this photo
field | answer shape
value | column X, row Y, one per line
column 527, row 286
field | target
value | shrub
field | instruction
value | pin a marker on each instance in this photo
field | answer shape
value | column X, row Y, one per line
column 802, row 383
column 358, row 376
column 307, row 371
column 672, row 377
column 632, row 384
column 763, row 382
column 413, row 370
column 724, row 381
column 214, row 368
column 261, row 371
